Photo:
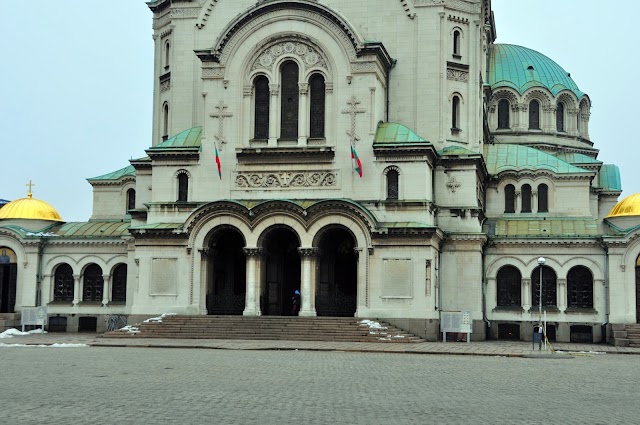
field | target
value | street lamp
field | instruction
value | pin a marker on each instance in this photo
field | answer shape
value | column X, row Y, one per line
column 541, row 262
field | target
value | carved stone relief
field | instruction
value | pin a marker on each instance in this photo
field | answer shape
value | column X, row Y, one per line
column 285, row 180
column 456, row 75
column 306, row 53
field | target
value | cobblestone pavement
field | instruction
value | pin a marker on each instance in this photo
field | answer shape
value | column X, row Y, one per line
column 136, row 385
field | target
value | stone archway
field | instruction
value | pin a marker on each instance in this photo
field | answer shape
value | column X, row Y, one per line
column 282, row 271
column 8, row 278
column 226, row 280
column 638, row 289
column 337, row 281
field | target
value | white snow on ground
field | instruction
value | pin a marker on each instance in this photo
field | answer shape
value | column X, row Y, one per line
column 372, row 324
column 10, row 333
column 57, row 345
column 133, row 329
column 159, row 318
column 580, row 352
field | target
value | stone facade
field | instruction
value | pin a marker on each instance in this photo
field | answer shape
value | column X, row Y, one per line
column 279, row 93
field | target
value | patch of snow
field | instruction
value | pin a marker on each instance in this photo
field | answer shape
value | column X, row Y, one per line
column 398, row 336
column 580, row 352
column 131, row 329
column 42, row 234
column 10, row 333
column 371, row 324
column 159, row 318
column 57, row 345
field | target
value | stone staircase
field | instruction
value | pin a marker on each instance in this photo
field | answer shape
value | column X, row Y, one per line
column 338, row 329
column 626, row 335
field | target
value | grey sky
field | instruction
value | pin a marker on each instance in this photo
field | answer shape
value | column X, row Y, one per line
column 76, row 86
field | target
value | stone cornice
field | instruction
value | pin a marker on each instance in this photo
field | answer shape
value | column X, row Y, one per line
column 281, row 155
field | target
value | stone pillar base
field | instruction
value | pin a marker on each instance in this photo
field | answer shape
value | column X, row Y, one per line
column 307, row 313
column 251, row 312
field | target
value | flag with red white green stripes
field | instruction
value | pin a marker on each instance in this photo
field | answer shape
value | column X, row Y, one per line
column 356, row 159
column 218, row 163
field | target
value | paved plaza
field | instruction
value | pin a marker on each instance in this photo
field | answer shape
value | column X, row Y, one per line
column 261, row 385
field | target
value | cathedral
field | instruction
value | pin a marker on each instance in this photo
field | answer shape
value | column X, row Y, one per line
column 386, row 158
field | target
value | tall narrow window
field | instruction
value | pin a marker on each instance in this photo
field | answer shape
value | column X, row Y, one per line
column 165, row 121
column 456, row 43
column 392, row 185
column 167, row 49
column 289, row 101
column 509, row 198
column 560, row 117
column 316, row 120
column 131, row 199
column 548, row 287
column 509, row 287
column 261, row 114
column 534, row 115
column 183, row 187
column 92, row 284
column 63, row 283
column 580, row 288
column 525, row 192
column 503, row 114
column 543, row 195
column 119, row 286
column 455, row 113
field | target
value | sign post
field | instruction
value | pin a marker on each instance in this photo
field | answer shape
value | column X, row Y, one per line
column 34, row 316
column 457, row 322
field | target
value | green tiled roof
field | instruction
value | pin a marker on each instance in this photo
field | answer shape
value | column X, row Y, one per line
column 92, row 229
column 191, row 138
column 553, row 227
column 456, row 150
column 159, row 226
column 115, row 175
column 521, row 68
column 504, row 157
column 406, row 224
column 393, row 134
column 609, row 178
column 577, row 158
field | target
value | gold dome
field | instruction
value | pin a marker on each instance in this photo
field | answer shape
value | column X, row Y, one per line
column 30, row 209
column 629, row 206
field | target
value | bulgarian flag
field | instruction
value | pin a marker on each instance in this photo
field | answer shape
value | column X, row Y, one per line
column 218, row 162
column 354, row 156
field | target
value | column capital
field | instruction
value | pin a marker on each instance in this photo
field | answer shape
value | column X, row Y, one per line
column 274, row 89
column 308, row 251
column 526, row 281
column 253, row 252
column 304, row 88
column 562, row 282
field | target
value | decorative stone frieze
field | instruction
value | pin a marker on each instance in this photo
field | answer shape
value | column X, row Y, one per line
column 284, row 180
column 457, row 75
column 205, row 12
column 304, row 52
column 212, row 73
column 453, row 184
column 165, row 85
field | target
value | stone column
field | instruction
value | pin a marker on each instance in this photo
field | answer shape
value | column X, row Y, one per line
column 76, row 289
column 105, row 288
column 307, row 256
column 561, row 294
column 328, row 109
column 303, row 114
column 526, row 293
column 534, row 201
column 248, row 118
column 251, row 306
column 491, row 293
column 274, row 109
column 518, row 206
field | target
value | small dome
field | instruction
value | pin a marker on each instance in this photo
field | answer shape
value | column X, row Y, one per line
column 29, row 209
column 521, row 68
column 629, row 206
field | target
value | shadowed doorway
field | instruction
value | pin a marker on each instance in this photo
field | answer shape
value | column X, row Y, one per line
column 8, row 275
column 337, row 290
column 638, row 289
column 282, row 272
column 227, row 277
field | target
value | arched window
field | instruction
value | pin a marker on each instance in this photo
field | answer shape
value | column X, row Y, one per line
column 509, row 198
column 580, row 288
column 509, row 288
column 261, row 110
column 543, row 195
column 560, row 117
column 392, row 185
column 131, row 199
column 316, row 119
column 289, row 101
column 183, row 187
column 548, row 287
column 119, row 286
column 167, row 50
column 455, row 113
column 456, row 43
column 525, row 192
column 503, row 114
column 92, row 283
column 63, row 283
column 165, row 121
column 534, row 115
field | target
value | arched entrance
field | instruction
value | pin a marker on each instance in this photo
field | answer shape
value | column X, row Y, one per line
column 337, row 283
column 282, row 272
column 226, row 283
column 8, row 277
column 638, row 289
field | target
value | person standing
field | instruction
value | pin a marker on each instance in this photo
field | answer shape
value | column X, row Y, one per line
column 295, row 301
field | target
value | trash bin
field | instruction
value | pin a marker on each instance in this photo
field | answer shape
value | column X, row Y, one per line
column 537, row 337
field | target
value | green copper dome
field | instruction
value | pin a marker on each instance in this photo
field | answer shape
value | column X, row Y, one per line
column 521, row 68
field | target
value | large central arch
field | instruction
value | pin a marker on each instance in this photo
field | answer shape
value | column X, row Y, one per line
column 226, row 280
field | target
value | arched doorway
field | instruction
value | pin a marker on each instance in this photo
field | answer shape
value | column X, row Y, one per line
column 282, row 272
column 226, row 285
column 8, row 277
column 638, row 289
column 337, row 283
